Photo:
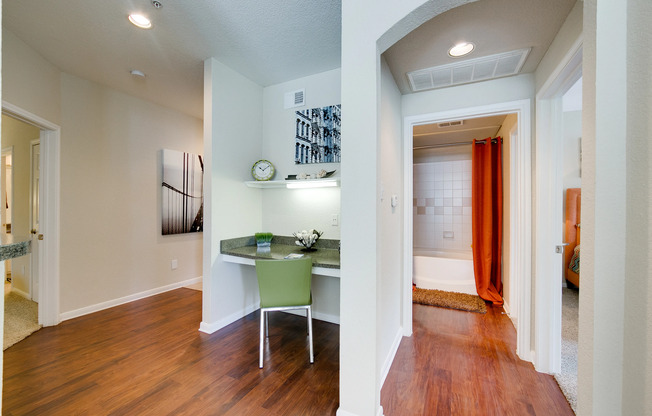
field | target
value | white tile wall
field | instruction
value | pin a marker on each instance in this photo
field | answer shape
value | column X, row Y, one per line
column 442, row 202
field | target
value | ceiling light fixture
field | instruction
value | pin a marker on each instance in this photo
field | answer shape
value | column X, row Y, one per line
column 140, row 21
column 137, row 73
column 461, row 49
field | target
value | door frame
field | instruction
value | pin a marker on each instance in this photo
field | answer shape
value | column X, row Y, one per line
column 549, row 205
column 8, row 151
column 49, row 196
column 33, row 270
column 521, row 220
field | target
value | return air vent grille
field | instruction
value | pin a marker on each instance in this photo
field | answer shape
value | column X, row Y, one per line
column 450, row 124
column 295, row 99
column 471, row 70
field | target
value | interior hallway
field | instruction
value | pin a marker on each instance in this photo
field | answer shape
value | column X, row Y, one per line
column 148, row 357
column 464, row 363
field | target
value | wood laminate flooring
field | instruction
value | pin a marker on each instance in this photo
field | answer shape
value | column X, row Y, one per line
column 148, row 358
column 462, row 363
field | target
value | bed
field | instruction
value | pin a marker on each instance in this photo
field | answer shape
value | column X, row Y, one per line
column 572, row 227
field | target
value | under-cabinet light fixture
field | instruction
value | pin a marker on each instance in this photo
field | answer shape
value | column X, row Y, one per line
column 300, row 184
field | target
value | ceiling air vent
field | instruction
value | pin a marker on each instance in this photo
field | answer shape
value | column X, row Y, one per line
column 295, row 98
column 467, row 71
column 450, row 124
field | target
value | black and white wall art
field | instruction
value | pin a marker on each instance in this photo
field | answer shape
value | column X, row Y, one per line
column 182, row 198
column 317, row 137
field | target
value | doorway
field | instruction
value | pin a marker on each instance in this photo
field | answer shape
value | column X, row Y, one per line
column 46, row 249
column 549, row 200
column 520, row 216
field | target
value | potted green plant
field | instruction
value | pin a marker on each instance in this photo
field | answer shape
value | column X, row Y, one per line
column 263, row 239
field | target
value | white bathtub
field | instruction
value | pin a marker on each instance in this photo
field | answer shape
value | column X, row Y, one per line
column 449, row 271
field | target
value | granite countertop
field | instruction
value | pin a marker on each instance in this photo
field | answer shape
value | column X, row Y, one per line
column 327, row 254
column 13, row 246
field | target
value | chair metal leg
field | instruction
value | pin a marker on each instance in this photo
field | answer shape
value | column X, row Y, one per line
column 312, row 358
column 267, row 326
column 262, row 338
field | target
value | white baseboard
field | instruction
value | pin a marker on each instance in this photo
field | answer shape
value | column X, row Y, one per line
column 341, row 412
column 320, row 316
column 210, row 327
column 390, row 357
column 126, row 299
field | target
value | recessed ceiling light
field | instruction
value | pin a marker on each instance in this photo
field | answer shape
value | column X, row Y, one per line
column 140, row 21
column 461, row 49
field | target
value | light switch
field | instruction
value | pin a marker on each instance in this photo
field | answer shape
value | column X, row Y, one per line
column 174, row 264
column 394, row 200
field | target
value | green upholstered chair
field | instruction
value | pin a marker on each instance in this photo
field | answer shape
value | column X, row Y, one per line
column 284, row 285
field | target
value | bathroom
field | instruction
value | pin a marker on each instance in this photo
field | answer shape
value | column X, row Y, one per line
column 442, row 198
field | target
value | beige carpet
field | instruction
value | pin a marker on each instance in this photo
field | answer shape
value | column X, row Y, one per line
column 567, row 379
column 21, row 319
column 451, row 300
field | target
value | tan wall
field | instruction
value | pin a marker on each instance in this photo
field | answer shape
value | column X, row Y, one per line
column 18, row 135
column 504, row 132
column 110, row 243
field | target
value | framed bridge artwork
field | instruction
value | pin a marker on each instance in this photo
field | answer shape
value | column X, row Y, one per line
column 182, row 198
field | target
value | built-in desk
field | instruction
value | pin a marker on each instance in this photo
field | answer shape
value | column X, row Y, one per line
column 243, row 250
column 12, row 246
column 325, row 266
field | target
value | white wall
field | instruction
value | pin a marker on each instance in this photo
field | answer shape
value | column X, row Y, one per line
column 111, row 242
column 470, row 95
column 111, row 245
column 233, row 120
column 364, row 23
column 290, row 210
column 570, row 30
column 18, row 135
column 572, row 149
column 390, row 232
column 615, row 336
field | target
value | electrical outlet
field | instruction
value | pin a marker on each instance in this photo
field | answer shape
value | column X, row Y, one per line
column 335, row 220
column 174, row 264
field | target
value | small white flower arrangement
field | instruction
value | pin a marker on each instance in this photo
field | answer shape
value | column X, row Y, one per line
column 307, row 238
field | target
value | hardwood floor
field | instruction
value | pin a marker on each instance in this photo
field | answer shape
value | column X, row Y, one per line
column 463, row 363
column 148, row 358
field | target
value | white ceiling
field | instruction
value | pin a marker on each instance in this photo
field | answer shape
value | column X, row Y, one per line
column 269, row 41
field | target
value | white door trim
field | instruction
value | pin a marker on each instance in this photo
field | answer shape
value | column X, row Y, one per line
column 521, row 220
column 48, row 307
column 35, row 262
column 549, row 207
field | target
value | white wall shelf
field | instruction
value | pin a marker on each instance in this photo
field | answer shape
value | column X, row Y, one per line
column 307, row 183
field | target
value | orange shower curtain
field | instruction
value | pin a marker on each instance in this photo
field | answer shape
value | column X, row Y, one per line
column 487, row 217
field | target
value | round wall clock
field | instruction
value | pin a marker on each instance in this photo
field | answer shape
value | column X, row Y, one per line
column 263, row 170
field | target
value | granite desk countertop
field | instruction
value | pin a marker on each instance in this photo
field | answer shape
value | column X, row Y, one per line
column 12, row 246
column 327, row 254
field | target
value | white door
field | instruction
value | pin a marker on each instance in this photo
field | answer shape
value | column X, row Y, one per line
column 34, row 216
